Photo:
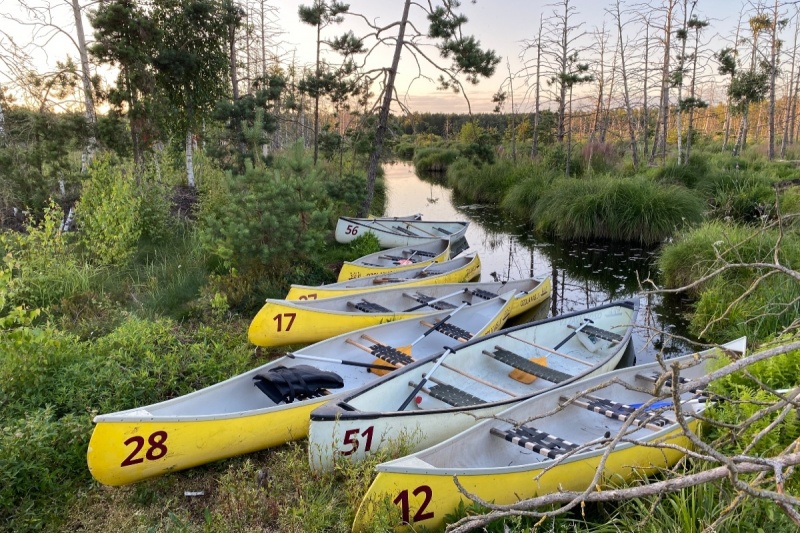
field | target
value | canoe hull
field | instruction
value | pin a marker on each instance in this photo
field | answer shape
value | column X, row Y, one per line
column 285, row 322
column 126, row 452
column 425, row 499
column 466, row 273
column 387, row 261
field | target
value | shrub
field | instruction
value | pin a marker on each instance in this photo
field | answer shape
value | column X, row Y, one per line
column 434, row 159
column 108, row 213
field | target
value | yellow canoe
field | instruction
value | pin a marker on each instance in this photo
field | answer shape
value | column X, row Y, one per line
column 457, row 270
column 551, row 442
column 396, row 259
column 242, row 414
column 286, row 322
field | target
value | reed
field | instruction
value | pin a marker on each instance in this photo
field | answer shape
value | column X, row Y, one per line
column 434, row 159
column 485, row 183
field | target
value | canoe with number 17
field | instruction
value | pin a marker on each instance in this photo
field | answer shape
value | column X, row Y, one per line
column 269, row 405
column 286, row 322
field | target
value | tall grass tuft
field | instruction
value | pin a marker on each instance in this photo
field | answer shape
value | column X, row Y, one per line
column 434, row 159
column 635, row 209
column 487, row 183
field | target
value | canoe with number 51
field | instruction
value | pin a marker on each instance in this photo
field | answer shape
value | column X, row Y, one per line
column 457, row 270
column 286, row 322
column 553, row 442
column 269, row 405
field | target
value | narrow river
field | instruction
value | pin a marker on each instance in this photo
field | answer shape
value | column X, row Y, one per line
column 584, row 275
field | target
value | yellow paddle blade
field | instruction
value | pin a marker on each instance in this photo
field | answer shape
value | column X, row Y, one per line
column 525, row 378
column 381, row 372
column 406, row 349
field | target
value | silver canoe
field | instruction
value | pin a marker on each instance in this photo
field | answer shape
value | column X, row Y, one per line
column 477, row 380
column 399, row 233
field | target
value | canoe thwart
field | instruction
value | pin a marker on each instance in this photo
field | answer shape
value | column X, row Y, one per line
column 423, row 253
column 450, row 394
column 620, row 412
column 287, row 384
column 527, row 366
column 599, row 333
column 535, row 440
column 391, row 355
column 368, row 307
column 405, row 231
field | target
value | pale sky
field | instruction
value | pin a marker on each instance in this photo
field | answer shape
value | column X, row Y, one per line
column 502, row 25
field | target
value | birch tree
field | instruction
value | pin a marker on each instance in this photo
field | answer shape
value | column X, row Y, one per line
column 621, row 47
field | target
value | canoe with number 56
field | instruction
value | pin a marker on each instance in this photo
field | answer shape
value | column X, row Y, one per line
column 286, row 322
column 269, row 405
column 398, row 233
column 396, row 259
column 553, row 442
column 457, row 270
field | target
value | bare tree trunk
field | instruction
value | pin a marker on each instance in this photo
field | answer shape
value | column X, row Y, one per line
column 790, row 97
column 681, row 65
column 535, row 141
column 728, row 112
column 190, row 159
column 91, row 116
column 513, row 115
column 383, row 116
column 793, row 113
column 562, row 69
column 598, row 109
column 625, row 90
column 607, row 114
column 660, row 141
column 2, row 124
column 646, row 75
column 773, row 72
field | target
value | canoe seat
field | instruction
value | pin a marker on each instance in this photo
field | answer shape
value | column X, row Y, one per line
column 391, row 355
column 445, row 232
column 619, row 411
column 525, row 365
column 405, row 231
column 370, row 307
column 535, row 440
column 600, row 333
column 441, row 305
column 453, row 331
column 486, row 295
column 427, row 272
column 451, row 394
column 415, row 252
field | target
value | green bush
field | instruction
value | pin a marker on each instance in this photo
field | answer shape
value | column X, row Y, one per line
column 434, row 159
column 108, row 213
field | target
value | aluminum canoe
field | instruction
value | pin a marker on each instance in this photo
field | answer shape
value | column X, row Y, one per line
column 398, row 233
column 396, row 259
column 285, row 322
column 550, row 443
column 457, row 270
column 234, row 417
column 479, row 379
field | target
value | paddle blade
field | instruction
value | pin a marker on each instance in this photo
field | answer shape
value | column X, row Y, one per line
column 381, row 372
column 522, row 376
column 405, row 349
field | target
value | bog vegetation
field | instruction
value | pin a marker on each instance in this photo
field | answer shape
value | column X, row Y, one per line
column 138, row 242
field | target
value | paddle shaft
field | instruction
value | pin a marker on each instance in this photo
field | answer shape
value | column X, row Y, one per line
column 343, row 362
column 440, row 323
column 428, row 303
column 424, row 379
column 585, row 323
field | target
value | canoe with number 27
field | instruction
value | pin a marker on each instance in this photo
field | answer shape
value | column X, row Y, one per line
column 266, row 406
column 396, row 259
column 457, row 270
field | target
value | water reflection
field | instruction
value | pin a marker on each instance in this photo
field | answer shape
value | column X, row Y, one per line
column 583, row 274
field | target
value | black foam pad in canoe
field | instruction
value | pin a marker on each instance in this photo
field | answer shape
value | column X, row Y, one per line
column 287, row 384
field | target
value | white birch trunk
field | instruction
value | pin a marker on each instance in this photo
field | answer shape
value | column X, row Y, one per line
column 190, row 159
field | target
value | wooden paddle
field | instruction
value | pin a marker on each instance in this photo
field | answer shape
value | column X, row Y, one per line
column 407, row 348
column 425, row 377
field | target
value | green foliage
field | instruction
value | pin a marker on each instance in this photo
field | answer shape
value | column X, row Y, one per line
column 434, row 159
column 770, row 307
column 741, row 196
column 530, row 184
column 486, row 183
column 685, row 174
column 630, row 209
column 109, row 213
column 267, row 216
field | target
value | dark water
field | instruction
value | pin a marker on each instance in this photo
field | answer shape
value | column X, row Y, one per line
column 583, row 274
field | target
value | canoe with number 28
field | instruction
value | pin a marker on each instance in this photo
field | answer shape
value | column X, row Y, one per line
column 266, row 406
